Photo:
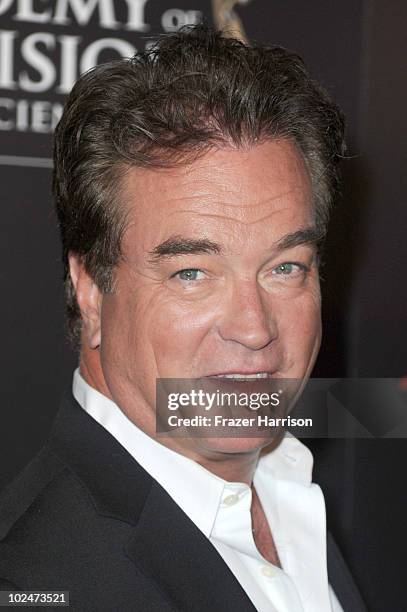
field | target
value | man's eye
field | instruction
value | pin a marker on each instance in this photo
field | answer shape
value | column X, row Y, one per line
column 289, row 269
column 190, row 274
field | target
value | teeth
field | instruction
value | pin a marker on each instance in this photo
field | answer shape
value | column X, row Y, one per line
column 244, row 376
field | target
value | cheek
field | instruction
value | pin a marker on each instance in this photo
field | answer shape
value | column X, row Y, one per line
column 116, row 332
column 176, row 332
column 300, row 326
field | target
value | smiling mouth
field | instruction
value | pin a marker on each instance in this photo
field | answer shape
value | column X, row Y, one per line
column 243, row 377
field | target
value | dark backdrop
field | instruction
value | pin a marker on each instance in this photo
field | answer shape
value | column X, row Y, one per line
column 357, row 48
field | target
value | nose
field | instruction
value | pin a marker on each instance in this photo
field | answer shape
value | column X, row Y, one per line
column 247, row 316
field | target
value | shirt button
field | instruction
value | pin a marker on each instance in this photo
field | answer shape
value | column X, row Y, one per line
column 231, row 500
column 268, row 570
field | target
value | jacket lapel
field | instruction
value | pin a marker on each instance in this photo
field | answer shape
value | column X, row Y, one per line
column 341, row 579
column 168, row 548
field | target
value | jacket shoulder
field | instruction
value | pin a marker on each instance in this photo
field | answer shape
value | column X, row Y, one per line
column 17, row 498
column 48, row 521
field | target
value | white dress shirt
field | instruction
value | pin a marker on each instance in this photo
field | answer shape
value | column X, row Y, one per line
column 293, row 505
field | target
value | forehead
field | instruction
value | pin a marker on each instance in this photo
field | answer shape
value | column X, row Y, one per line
column 227, row 190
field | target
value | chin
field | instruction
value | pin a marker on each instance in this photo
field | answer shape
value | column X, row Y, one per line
column 236, row 446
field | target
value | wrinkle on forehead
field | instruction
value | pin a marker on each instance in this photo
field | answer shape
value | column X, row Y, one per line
column 202, row 205
column 226, row 218
column 225, row 191
column 208, row 197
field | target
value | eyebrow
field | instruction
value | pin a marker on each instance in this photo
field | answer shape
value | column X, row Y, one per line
column 308, row 235
column 178, row 245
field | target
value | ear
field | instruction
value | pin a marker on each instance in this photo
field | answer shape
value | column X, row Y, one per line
column 89, row 298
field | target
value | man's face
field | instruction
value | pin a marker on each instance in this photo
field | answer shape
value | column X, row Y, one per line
column 219, row 276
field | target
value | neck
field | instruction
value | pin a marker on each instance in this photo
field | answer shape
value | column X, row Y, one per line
column 236, row 468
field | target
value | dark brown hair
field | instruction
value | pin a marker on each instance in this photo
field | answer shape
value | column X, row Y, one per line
column 194, row 90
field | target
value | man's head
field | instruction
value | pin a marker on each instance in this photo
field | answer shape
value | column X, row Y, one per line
column 193, row 185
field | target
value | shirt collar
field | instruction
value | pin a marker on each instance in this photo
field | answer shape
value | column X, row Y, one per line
column 290, row 461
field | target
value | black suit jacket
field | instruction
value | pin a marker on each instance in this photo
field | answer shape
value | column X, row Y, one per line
column 85, row 517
